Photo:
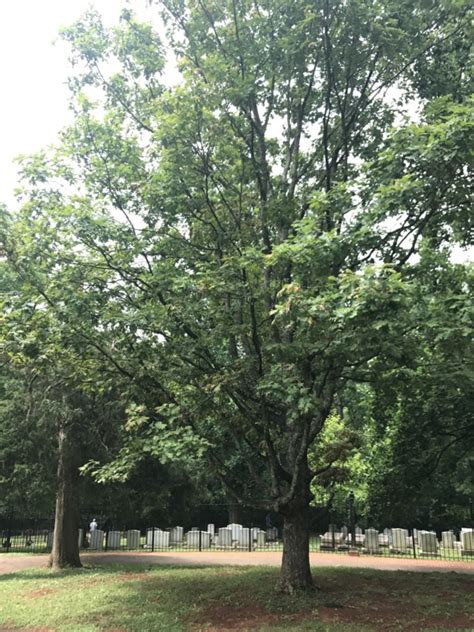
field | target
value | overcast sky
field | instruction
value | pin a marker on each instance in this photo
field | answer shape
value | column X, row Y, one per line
column 33, row 70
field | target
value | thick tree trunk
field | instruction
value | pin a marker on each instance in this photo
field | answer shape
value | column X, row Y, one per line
column 295, row 573
column 65, row 551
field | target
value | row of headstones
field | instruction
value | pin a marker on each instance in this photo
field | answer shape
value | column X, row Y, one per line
column 399, row 540
column 234, row 535
column 97, row 537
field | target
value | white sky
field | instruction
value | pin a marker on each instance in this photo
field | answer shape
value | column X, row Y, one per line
column 33, row 72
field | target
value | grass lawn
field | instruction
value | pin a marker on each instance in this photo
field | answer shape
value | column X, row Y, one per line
column 136, row 598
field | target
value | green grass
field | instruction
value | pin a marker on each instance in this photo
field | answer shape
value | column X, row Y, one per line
column 140, row 598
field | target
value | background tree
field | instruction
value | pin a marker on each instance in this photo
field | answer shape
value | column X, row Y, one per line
column 66, row 398
column 423, row 410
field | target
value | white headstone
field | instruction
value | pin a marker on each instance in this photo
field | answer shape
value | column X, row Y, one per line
column 176, row 535
column 157, row 538
column 330, row 538
column 244, row 539
column 211, row 529
column 80, row 538
column 254, row 533
column 372, row 540
column 225, row 537
column 97, row 540
column 399, row 539
column 113, row 539
column 133, row 539
column 428, row 542
column 383, row 539
column 261, row 539
column 326, row 540
column 163, row 539
column 467, row 541
column 196, row 538
column 192, row 538
column 152, row 536
column 448, row 539
column 236, row 531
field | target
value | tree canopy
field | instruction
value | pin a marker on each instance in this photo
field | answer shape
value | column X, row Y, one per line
column 242, row 247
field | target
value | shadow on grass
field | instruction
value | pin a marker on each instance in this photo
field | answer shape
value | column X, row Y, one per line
column 145, row 597
column 244, row 598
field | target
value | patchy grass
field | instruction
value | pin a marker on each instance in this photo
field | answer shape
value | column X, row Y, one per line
column 120, row 598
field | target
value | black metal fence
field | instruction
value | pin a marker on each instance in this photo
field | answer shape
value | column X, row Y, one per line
column 417, row 544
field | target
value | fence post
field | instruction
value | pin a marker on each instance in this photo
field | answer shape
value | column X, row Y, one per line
column 153, row 540
column 9, row 531
column 200, row 539
column 413, row 542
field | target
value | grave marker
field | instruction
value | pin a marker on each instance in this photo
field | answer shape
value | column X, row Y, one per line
column 176, row 535
column 428, row 543
column 113, row 539
column 97, row 540
column 399, row 540
column 372, row 541
column 133, row 539
column 448, row 540
column 225, row 537
column 467, row 541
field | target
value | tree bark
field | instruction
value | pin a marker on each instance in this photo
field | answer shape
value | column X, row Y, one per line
column 295, row 573
column 65, row 551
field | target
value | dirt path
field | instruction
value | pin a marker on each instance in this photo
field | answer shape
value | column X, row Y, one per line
column 11, row 563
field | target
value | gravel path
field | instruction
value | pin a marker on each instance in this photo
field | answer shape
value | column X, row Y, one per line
column 11, row 563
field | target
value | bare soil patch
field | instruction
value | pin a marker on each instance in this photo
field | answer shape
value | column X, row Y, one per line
column 41, row 592
column 391, row 616
column 29, row 629
column 384, row 618
column 224, row 618
column 130, row 576
column 385, row 604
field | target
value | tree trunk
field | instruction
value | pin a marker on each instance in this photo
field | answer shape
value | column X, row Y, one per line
column 65, row 551
column 295, row 573
column 235, row 513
